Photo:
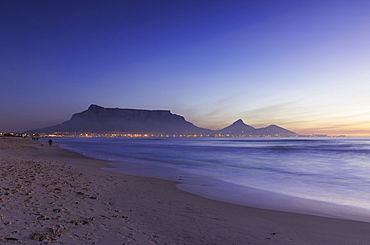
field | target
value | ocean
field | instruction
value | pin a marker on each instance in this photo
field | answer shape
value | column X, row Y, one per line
column 321, row 176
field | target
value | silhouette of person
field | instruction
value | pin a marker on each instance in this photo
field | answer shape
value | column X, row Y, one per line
column 50, row 142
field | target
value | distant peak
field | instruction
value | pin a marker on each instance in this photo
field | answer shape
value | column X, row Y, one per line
column 239, row 121
column 92, row 106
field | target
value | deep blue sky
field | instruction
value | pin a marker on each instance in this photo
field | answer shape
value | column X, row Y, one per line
column 303, row 65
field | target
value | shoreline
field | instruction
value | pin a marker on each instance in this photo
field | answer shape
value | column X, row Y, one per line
column 215, row 189
column 252, row 197
column 45, row 183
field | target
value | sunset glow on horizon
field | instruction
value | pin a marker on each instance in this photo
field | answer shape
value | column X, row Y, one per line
column 302, row 65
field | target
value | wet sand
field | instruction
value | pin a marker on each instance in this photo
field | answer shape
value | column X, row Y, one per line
column 49, row 195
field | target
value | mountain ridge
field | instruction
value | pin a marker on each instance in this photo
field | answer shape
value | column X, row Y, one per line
column 97, row 119
column 238, row 128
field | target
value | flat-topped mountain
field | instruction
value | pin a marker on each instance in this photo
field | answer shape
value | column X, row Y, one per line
column 98, row 119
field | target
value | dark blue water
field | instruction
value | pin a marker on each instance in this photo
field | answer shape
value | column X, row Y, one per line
column 326, row 170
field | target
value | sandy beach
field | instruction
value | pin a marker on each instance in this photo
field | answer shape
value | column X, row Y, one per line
column 49, row 195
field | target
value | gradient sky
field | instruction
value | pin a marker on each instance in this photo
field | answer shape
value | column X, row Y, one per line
column 303, row 65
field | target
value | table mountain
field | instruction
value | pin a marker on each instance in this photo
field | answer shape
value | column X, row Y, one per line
column 97, row 119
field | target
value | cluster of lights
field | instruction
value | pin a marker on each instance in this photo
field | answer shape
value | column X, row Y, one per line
column 117, row 134
column 144, row 135
column 14, row 134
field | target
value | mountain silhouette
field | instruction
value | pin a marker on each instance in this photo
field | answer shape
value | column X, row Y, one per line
column 97, row 119
column 238, row 128
column 274, row 130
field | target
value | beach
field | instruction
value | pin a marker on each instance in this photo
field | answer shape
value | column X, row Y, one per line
column 51, row 195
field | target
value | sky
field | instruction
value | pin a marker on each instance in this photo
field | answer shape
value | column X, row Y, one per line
column 302, row 65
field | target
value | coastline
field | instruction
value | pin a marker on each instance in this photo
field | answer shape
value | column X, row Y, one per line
column 218, row 190
column 65, row 198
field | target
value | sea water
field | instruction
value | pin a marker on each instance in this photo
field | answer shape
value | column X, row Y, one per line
column 320, row 176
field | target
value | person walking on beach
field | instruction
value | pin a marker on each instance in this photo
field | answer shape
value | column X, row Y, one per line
column 50, row 142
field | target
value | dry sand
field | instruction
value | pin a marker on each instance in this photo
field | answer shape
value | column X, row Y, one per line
column 52, row 196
